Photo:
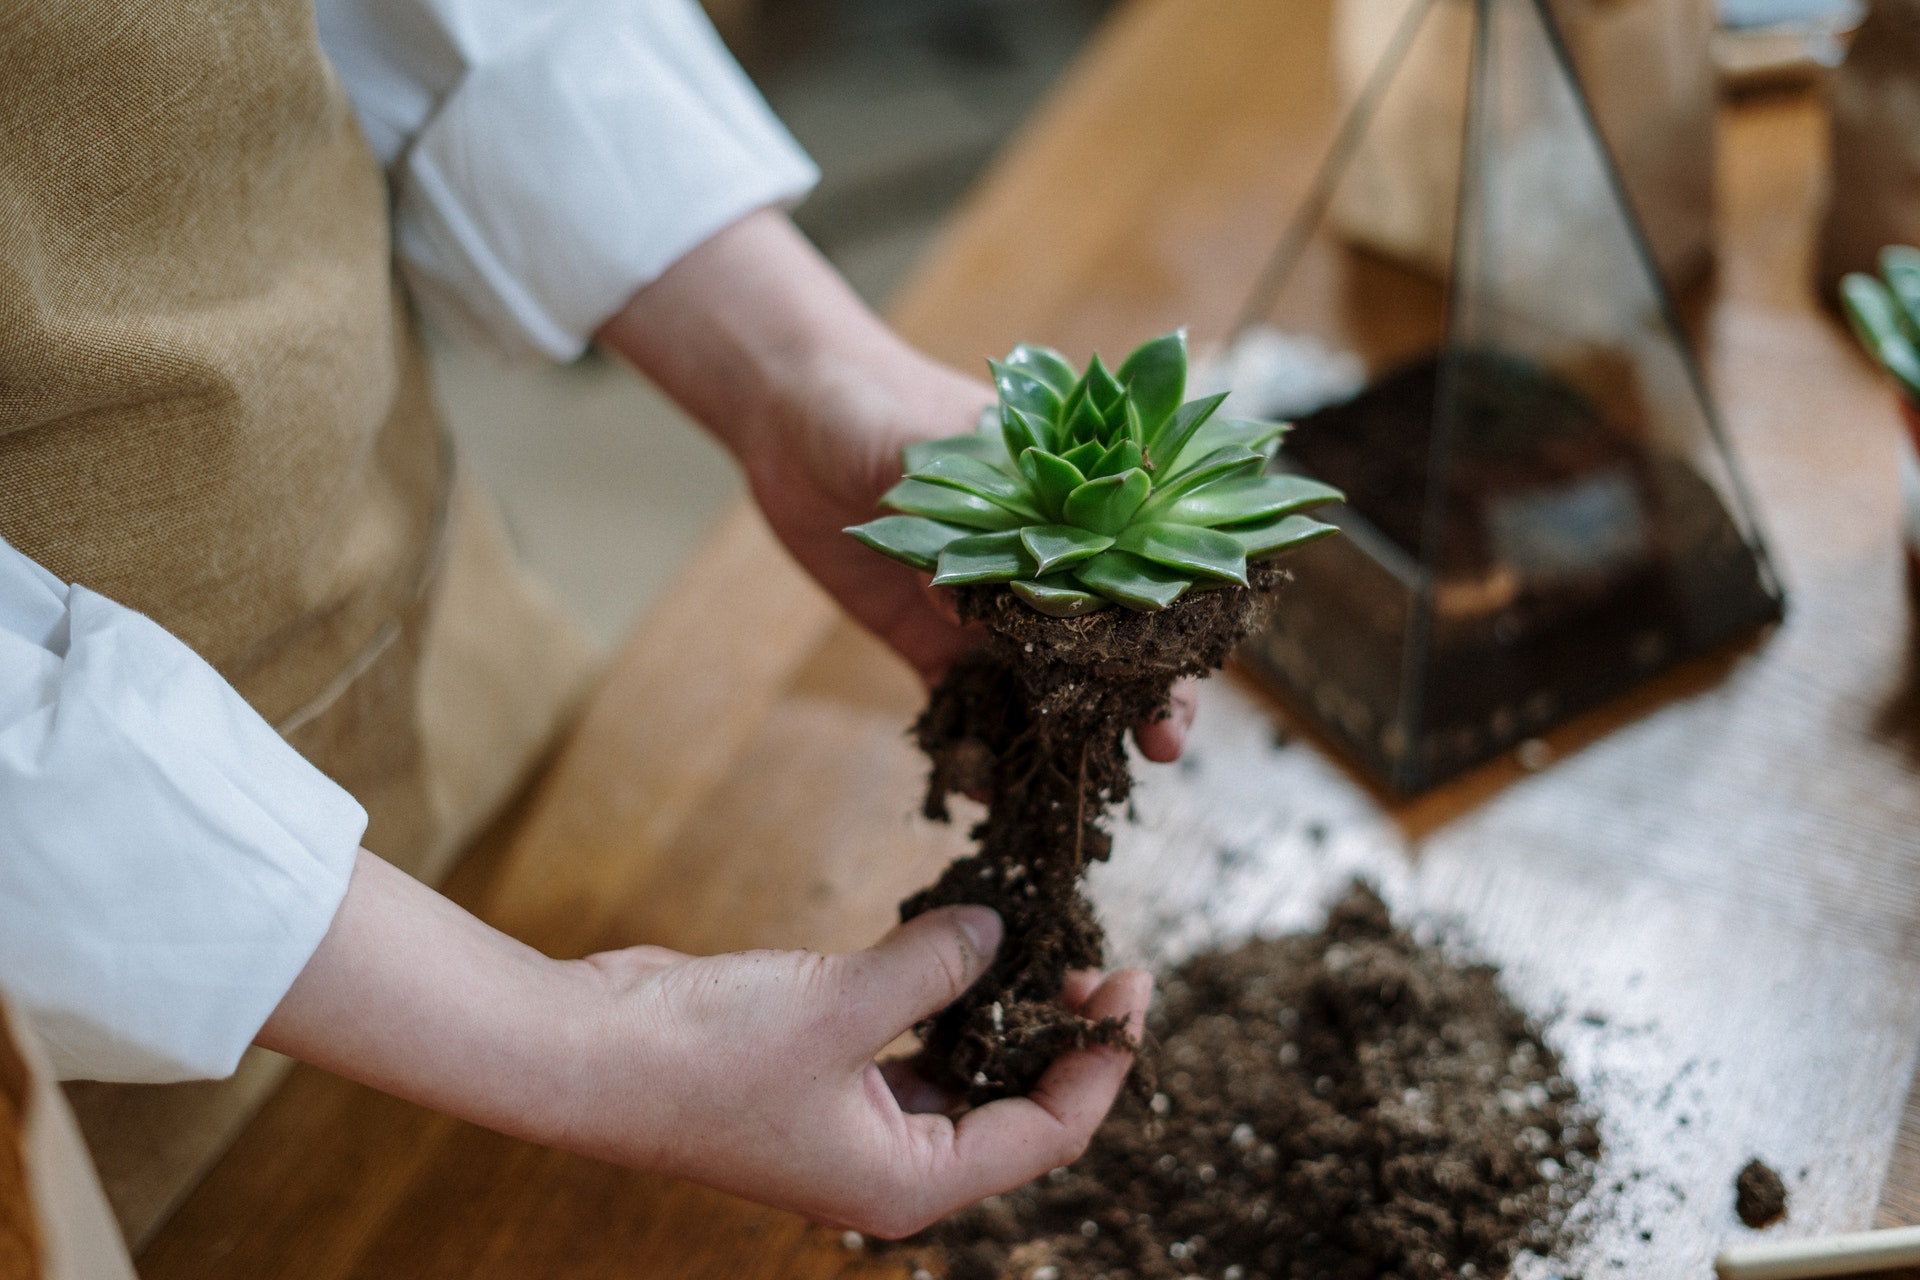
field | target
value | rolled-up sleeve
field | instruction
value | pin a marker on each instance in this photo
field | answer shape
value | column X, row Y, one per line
column 168, row 864
column 549, row 159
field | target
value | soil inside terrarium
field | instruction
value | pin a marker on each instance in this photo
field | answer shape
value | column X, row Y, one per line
column 1036, row 722
column 1348, row 1104
column 1515, row 434
column 1567, row 557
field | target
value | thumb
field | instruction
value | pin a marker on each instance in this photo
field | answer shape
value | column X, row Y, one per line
column 920, row 968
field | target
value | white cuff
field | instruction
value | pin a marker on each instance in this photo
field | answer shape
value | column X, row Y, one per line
column 566, row 173
column 168, row 864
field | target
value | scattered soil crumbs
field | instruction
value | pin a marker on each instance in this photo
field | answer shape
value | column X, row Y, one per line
column 1346, row 1105
column 1759, row 1197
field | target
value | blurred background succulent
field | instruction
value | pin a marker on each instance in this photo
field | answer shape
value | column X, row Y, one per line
column 1886, row 315
column 1107, row 487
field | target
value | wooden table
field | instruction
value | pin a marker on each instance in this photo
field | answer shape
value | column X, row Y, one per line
column 1724, row 870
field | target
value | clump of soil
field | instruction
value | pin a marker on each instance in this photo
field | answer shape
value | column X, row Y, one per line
column 1036, row 720
column 1759, row 1196
column 1346, row 1105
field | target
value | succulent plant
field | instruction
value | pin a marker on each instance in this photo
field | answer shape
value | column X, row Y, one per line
column 1085, row 490
column 1886, row 316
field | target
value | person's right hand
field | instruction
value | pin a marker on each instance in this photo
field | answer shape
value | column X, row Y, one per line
column 757, row 336
column 754, row 1072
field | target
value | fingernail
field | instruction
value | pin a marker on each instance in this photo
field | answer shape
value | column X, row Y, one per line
column 982, row 927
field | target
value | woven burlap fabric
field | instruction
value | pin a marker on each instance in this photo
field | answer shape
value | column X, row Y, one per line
column 214, row 409
column 209, row 406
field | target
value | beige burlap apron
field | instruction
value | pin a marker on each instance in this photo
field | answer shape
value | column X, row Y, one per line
column 214, row 409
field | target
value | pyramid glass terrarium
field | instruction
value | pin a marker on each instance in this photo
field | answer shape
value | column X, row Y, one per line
column 1466, row 323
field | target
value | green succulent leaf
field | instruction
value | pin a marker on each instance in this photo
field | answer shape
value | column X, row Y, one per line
column 1262, row 541
column 988, row 448
column 1136, row 427
column 1131, row 581
column 1022, row 430
column 983, row 557
column 911, row 540
column 1051, row 478
column 1083, row 423
column 1221, row 464
column 1103, row 389
column 1056, row 546
column 1108, row 504
column 1876, row 322
column 1080, row 491
column 1187, row 547
column 1023, row 390
column 1156, row 374
column 1058, row 596
column 1046, row 364
column 1218, row 433
column 954, row 506
column 1249, row 499
column 1900, row 268
column 1166, row 447
column 1086, row 456
column 970, row 475
column 1124, row 456
column 1071, row 405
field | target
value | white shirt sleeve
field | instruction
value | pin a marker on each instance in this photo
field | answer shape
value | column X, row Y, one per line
column 168, row 864
column 550, row 157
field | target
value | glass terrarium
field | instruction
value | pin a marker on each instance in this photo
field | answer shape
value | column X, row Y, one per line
column 1466, row 323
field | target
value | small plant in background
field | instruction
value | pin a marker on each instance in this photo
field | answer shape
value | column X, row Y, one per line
column 1082, row 491
column 1885, row 314
column 1101, row 488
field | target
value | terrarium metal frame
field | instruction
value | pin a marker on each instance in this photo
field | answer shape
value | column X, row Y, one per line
column 1360, row 598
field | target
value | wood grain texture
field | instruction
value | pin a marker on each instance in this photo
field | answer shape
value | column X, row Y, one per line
column 1712, row 895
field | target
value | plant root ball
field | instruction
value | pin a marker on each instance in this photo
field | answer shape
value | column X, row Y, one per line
column 1037, row 721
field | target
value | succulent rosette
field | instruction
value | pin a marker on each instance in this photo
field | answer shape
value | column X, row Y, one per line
column 1097, row 488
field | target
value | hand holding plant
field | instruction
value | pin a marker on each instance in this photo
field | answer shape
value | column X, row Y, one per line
column 764, row 343
column 1085, row 491
column 752, row 1072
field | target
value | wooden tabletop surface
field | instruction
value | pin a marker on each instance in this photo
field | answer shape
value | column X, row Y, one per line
column 1712, row 890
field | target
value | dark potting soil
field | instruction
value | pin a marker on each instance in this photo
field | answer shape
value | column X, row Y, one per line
column 1516, row 430
column 1573, row 562
column 1344, row 1105
column 1036, row 720
column 1759, row 1196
